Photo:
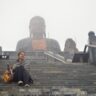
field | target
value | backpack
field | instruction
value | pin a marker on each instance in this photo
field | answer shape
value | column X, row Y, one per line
column 7, row 75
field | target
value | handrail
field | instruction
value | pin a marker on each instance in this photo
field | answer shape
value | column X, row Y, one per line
column 56, row 56
column 90, row 45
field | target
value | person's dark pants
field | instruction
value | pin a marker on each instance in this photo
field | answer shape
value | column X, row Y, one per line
column 20, row 74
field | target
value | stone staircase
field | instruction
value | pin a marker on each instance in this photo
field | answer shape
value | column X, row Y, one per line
column 70, row 75
column 80, row 76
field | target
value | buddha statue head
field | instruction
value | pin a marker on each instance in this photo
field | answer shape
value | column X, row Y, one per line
column 37, row 27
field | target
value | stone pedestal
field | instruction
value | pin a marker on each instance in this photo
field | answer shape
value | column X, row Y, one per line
column 92, row 55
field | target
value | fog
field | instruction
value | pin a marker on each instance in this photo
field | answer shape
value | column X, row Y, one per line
column 64, row 19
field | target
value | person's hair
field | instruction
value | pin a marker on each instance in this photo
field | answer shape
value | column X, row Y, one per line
column 20, row 52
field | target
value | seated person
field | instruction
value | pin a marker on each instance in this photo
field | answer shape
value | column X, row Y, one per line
column 20, row 74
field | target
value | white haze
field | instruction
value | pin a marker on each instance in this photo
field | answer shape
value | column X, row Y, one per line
column 64, row 19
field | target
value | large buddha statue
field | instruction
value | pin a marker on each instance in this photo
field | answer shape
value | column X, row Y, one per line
column 37, row 40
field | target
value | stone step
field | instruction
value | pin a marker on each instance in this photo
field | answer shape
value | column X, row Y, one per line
column 42, row 91
column 10, row 89
column 60, row 74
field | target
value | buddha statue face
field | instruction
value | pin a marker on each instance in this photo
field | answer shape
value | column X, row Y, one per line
column 37, row 26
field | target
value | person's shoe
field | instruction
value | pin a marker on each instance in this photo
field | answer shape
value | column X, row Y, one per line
column 27, row 85
column 20, row 83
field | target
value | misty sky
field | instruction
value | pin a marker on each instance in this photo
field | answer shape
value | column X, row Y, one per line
column 64, row 19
